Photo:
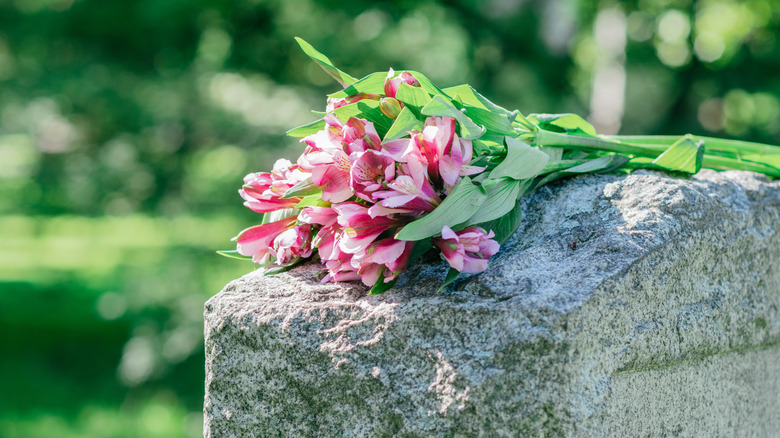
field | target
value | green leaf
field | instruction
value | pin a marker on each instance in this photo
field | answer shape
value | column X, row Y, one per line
column 414, row 98
column 272, row 269
column 303, row 188
column 464, row 200
column 427, row 85
column 555, row 154
column 603, row 164
column 380, row 286
column 494, row 123
column 521, row 162
column 441, row 108
column 405, row 122
column 501, row 199
column 419, row 249
column 505, row 226
column 452, row 275
column 233, row 254
column 683, row 156
column 314, row 200
column 371, row 84
column 470, row 96
column 569, row 123
column 365, row 109
column 277, row 215
column 307, row 129
column 343, row 78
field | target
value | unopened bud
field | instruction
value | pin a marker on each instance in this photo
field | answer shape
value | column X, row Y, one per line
column 390, row 107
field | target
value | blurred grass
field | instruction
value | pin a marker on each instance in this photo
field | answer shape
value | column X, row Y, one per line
column 126, row 127
column 74, row 290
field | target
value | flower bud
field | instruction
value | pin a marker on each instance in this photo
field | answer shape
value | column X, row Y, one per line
column 390, row 107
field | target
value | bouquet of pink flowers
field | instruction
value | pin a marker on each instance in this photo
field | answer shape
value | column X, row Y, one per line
column 397, row 167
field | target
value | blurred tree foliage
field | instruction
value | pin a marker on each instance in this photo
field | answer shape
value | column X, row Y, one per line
column 126, row 127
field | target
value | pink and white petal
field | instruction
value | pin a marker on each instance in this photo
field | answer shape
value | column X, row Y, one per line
column 334, row 183
column 370, row 274
column 397, row 201
column 387, row 251
column 474, row 265
column 447, row 233
column 378, row 210
column 467, row 169
column 398, row 149
column 449, row 169
column 324, row 216
column 355, row 244
column 454, row 258
column 489, row 248
column 253, row 239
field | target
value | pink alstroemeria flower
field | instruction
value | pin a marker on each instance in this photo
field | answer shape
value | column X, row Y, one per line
column 262, row 191
column 360, row 229
column 257, row 241
column 411, row 191
column 359, row 135
column 340, row 267
column 446, row 155
column 392, row 82
column 467, row 250
column 370, row 172
column 325, row 240
column 330, row 152
column 386, row 257
column 292, row 244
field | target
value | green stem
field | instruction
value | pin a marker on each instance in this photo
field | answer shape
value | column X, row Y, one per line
column 711, row 143
column 554, row 166
column 654, row 145
column 724, row 163
column 555, row 139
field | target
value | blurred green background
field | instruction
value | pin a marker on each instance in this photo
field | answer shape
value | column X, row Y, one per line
column 126, row 128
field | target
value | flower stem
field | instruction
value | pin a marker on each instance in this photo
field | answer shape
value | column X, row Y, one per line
column 720, row 154
column 555, row 139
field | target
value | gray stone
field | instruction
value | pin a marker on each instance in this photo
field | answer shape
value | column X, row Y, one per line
column 662, row 320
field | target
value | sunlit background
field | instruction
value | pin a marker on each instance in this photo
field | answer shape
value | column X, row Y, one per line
column 126, row 128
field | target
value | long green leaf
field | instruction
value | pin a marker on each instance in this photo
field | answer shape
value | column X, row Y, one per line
column 428, row 85
column 505, row 226
column 307, row 129
column 414, row 98
column 438, row 106
column 452, row 275
column 371, row 84
column 470, row 96
column 603, row 164
column 683, row 156
column 569, row 123
column 343, row 78
column 494, row 123
column 303, row 188
column 273, row 269
column 501, row 198
column 464, row 200
column 365, row 109
column 521, row 162
column 405, row 122
column 314, row 200
column 233, row 254
column 380, row 286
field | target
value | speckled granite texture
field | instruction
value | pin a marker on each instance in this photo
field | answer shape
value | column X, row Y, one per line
column 664, row 321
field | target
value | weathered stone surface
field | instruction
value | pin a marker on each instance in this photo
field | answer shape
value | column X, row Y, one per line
column 664, row 321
